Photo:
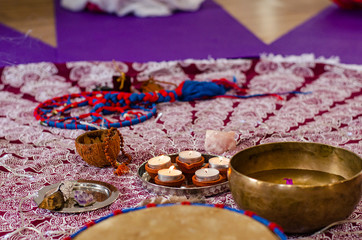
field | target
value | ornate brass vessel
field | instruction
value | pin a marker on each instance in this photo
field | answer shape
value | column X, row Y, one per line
column 326, row 183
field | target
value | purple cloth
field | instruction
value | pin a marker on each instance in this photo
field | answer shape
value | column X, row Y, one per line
column 16, row 48
column 333, row 32
column 208, row 32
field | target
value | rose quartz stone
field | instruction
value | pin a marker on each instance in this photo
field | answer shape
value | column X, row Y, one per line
column 219, row 142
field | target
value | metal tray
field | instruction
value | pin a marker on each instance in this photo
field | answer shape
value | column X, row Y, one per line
column 187, row 189
column 104, row 193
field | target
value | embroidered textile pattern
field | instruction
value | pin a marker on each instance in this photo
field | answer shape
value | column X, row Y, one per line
column 32, row 155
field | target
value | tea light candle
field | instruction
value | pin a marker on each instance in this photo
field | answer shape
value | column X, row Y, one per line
column 219, row 162
column 159, row 162
column 169, row 174
column 189, row 156
column 207, row 174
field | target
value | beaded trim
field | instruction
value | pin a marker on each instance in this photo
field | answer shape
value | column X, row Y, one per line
column 277, row 230
column 121, row 168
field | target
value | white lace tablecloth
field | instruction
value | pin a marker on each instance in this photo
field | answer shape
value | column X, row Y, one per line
column 32, row 155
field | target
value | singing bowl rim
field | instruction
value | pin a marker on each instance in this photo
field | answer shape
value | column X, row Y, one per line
column 234, row 171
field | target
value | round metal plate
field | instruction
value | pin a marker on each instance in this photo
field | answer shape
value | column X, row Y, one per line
column 104, row 193
column 185, row 190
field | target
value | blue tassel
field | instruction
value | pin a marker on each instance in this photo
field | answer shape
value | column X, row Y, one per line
column 192, row 90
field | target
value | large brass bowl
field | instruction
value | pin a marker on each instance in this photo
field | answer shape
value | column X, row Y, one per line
column 326, row 183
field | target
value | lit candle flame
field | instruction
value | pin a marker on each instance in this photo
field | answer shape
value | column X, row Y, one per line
column 171, row 168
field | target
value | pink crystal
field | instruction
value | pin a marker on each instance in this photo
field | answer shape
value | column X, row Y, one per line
column 219, row 142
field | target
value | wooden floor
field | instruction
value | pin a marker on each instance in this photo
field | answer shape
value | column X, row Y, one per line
column 267, row 19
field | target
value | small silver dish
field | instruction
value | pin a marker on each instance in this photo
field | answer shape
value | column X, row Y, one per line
column 187, row 189
column 103, row 193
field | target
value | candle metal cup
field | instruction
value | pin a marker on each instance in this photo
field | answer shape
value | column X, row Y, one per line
column 223, row 171
column 170, row 177
column 159, row 162
column 153, row 172
column 219, row 162
column 305, row 206
column 207, row 174
column 190, row 157
column 202, row 181
column 153, row 165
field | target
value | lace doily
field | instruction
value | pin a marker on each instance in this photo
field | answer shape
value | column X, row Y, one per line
column 32, row 155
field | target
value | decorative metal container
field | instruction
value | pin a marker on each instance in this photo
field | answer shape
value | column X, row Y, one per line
column 326, row 183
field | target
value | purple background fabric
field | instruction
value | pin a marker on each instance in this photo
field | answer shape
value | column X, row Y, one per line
column 333, row 32
column 209, row 32
column 16, row 48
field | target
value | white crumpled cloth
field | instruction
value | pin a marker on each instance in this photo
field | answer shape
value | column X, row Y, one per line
column 140, row 8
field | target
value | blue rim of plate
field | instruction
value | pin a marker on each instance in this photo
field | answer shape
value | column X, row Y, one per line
column 277, row 230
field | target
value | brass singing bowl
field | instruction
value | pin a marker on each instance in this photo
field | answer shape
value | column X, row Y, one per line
column 326, row 183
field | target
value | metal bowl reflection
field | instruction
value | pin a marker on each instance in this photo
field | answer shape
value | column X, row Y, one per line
column 326, row 183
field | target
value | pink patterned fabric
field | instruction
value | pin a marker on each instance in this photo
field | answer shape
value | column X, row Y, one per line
column 32, row 155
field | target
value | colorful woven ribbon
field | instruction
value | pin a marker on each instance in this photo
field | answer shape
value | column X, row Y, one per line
column 133, row 107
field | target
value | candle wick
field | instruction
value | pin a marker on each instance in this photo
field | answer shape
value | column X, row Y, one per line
column 205, row 170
